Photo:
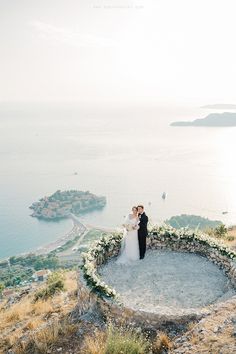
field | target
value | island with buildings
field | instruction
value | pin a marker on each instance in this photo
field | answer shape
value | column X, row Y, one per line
column 226, row 119
column 62, row 204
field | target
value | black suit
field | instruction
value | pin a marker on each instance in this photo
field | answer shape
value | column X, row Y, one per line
column 142, row 234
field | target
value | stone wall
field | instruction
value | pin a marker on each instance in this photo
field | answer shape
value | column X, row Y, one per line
column 111, row 309
column 194, row 246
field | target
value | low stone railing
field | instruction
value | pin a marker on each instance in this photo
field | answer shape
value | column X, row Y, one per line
column 92, row 291
column 188, row 241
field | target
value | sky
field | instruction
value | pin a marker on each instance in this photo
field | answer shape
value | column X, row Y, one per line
column 118, row 51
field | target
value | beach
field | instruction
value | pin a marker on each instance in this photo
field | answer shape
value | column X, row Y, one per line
column 77, row 229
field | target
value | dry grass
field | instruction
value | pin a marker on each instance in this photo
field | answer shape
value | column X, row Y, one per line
column 2, row 305
column 71, row 282
column 194, row 339
column 116, row 340
column 95, row 344
column 231, row 237
column 33, row 324
column 42, row 307
column 8, row 341
column 161, row 343
column 26, row 317
column 15, row 313
column 44, row 328
column 42, row 340
column 191, row 325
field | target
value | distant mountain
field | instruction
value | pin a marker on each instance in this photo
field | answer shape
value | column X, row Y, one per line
column 225, row 119
column 220, row 106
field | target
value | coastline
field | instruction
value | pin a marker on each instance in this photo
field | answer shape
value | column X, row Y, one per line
column 77, row 228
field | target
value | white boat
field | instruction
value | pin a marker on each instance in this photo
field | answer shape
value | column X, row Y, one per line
column 164, row 195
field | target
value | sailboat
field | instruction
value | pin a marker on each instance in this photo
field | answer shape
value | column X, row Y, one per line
column 164, row 195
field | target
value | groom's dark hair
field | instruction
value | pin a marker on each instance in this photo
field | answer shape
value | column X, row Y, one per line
column 141, row 206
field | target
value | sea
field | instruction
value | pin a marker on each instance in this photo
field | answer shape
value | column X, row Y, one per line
column 126, row 152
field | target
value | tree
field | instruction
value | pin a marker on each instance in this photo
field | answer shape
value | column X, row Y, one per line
column 221, row 231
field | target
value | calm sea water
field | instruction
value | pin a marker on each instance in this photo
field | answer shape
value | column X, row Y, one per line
column 129, row 154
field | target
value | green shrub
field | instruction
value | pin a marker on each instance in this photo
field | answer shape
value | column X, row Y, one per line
column 55, row 283
column 125, row 341
column 230, row 238
column 1, row 288
column 220, row 231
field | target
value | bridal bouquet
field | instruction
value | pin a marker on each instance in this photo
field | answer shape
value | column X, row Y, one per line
column 129, row 227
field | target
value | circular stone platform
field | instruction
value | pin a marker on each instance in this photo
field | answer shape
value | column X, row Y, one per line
column 167, row 281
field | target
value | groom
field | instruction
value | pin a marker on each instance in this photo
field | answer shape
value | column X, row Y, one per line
column 142, row 231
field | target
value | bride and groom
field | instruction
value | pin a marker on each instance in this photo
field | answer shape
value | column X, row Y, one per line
column 135, row 232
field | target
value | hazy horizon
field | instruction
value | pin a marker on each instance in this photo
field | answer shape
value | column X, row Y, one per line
column 92, row 86
column 164, row 52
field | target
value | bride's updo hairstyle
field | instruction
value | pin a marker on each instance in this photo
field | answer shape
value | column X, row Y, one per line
column 136, row 208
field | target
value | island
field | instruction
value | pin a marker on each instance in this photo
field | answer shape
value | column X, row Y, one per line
column 62, row 204
column 220, row 106
column 192, row 222
column 226, row 119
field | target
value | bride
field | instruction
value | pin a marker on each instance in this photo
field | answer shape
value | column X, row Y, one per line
column 130, row 246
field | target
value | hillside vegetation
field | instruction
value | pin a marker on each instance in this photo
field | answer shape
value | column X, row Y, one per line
column 46, row 320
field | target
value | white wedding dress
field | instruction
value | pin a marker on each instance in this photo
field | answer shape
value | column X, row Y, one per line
column 130, row 246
